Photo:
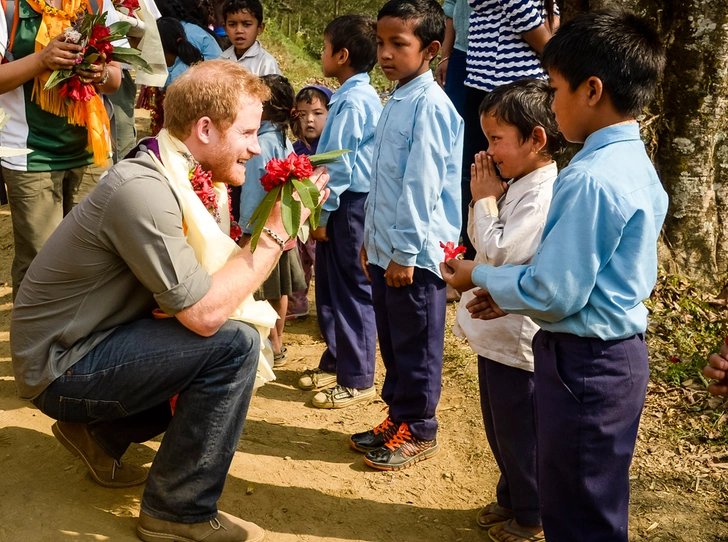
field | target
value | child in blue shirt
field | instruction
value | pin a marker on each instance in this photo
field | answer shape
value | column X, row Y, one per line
column 287, row 276
column 343, row 293
column 596, row 262
column 413, row 205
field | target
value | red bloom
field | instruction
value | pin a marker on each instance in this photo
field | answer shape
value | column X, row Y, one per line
column 76, row 90
column 131, row 5
column 279, row 171
column 451, row 251
column 674, row 359
column 99, row 39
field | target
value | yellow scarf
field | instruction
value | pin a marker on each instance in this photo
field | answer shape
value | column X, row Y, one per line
column 91, row 114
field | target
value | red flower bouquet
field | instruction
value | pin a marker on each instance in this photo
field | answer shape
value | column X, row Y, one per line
column 284, row 178
column 452, row 251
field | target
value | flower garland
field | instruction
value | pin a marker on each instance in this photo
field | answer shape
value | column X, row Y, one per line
column 201, row 181
column 40, row 6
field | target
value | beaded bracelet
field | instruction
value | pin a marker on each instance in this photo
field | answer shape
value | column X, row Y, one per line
column 277, row 238
column 105, row 79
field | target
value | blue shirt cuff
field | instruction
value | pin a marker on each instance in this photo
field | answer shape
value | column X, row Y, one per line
column 480, row 275
column 324, row 220
column 403, row 258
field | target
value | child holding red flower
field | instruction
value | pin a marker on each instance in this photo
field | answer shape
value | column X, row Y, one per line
column 287, row 276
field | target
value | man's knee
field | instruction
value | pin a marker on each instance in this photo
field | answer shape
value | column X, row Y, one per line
column 243, row 338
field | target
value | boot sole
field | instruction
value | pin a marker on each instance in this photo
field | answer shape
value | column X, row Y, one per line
column 68, row 445
column 154, row 536
column 427, row 454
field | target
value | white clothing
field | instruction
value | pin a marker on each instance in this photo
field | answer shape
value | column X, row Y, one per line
column 256, row 60
column 507, row 234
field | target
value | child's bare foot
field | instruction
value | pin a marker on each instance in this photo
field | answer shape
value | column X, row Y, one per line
column 511, row 531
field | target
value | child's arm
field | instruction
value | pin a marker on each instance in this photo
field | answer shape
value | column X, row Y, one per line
column 499, row 242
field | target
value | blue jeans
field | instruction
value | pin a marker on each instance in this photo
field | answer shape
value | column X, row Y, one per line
column 121, row 389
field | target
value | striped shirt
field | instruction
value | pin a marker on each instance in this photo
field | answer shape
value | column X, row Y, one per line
column 497, row 54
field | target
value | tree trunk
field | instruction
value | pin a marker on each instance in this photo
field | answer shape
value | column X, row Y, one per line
column 686, row 130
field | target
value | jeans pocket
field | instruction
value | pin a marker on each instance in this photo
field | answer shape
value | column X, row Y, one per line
column 74, row 410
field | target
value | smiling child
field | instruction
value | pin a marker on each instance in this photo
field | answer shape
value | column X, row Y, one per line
column 243, row 24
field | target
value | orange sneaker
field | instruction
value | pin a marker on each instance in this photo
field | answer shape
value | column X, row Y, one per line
column 374, row 438
column 401, row 450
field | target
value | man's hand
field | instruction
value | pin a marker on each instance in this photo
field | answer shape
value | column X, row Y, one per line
column 398, row 275
column 319, row 234
column 441, row 73
column 59, row 55
column 364, row 261
column 484, row 179
column 458, row 274
column 275, row 223
column 483, row 307
column 718, row 369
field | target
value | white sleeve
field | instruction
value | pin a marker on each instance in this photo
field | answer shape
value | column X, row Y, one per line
column 3, row 33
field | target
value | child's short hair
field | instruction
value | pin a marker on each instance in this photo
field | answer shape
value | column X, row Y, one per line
column 428, row 16
column 279, row 108
column 616, row 46
column 254, row 7
column 358, row 35
column 526, row 104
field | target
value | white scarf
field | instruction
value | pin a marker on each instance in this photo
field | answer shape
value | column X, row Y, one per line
column 211, row 241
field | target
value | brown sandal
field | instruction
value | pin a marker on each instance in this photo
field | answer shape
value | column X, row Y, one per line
column 495, row 510
column 508, row 528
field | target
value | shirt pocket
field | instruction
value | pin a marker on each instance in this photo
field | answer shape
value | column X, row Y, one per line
column 393, row 155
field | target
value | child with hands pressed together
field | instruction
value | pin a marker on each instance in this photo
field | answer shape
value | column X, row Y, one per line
column 595, row 264
column 413, row 206
column 343, row 293
column 505, row 223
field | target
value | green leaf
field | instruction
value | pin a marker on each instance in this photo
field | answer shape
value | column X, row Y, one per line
column 261, row 214
column 120, row 28
column 57, row 77
column 287, row 203
column 305, row 194
column 315, row 217
column 312, row 190
column 296, row 216
column 133, row 59
column 327, row 157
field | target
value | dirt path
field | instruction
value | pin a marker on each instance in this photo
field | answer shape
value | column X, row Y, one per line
column 295, row 475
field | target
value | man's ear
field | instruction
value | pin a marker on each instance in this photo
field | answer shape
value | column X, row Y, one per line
column 594, row 89
column 432, row 50
column 538, row 139
column 203, row 130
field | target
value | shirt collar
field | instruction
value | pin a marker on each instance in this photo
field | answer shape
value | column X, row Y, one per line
column 254, row 50
column 519, row 187
column 615, row 133
column 265, row 127
column 351, row 82
column 419, row 82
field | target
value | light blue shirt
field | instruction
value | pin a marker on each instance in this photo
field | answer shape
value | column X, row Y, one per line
column 597, row 259
column 354, row 111
column 459, row 12
column 414, row 199
column 271, row 146
column 200, row 39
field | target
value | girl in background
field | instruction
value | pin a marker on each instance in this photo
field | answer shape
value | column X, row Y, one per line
column 287, row 276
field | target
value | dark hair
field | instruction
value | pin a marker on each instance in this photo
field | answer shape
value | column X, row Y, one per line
column 199, row 12
column 175, row 42
column 616, row 46
column 358, row 35
column 526, row 104
column 254, row 7
column 279, row 109
column 427, row 15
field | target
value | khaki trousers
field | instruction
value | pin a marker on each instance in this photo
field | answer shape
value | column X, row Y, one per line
column 38, row 202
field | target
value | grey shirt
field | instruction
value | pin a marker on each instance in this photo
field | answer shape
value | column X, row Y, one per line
column 118, row 255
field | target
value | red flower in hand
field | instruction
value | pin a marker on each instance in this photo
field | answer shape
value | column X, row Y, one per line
column 451, row 251
column 77, row 90
column 99, row 40
column 279, row 171
column 301, row 167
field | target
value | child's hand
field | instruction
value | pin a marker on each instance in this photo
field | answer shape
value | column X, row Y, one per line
column 458, row 274
column 718, row 369
column 364, row 261
column 484, row 179
column 483, row 307
column 398, row 275
column 319, row 234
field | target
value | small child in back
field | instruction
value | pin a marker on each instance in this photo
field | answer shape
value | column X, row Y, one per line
column 595, row 264
column 287, row 276
column 243, row 24
column 505, row 223
column 413, row 206
column 343, row 293
column 311, row 112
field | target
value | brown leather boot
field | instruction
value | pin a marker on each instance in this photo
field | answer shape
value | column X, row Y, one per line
column 224, row 528
column 106, row 470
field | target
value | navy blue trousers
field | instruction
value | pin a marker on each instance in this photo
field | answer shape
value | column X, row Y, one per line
column 411, row 328
column 589, row 398
column 344, row 297
column 506, row 399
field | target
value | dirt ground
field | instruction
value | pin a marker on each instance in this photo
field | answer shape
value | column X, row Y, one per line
column 295, row 475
